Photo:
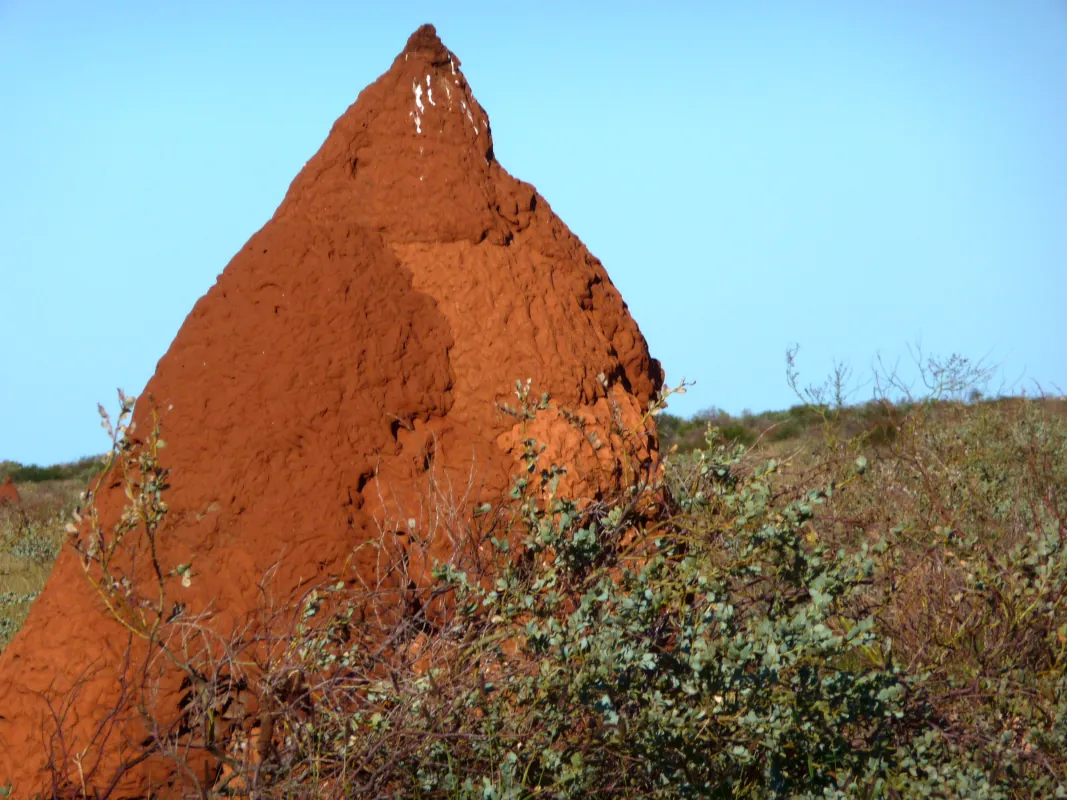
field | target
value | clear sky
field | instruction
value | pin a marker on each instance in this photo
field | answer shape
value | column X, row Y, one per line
column 846, row 175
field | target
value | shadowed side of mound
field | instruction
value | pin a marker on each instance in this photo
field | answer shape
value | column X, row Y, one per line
column 280, row 396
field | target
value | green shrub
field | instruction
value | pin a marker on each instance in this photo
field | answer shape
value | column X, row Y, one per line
column 885, row 618
column 736, row 647
column 723, row 660
column 786, row 430
column 736, row 433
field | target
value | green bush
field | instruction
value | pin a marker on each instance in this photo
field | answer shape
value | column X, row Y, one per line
column 735, row 647
column 885, row 618
column 721, row 665
column 737, row 433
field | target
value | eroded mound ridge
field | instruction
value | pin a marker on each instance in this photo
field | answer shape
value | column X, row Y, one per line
column 351, row 354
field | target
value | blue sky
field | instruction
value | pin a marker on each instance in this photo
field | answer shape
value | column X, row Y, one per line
column 851, row 176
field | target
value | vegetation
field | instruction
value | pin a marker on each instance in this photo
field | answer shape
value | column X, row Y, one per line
column 747, row 429
column 31, row 535
column 81, row 471
column 832, row 601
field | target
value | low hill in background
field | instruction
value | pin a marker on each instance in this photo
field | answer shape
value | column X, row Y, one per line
column 874, row 420
column 81, row 470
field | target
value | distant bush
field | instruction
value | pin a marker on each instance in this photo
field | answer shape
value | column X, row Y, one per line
column 785, row 431
column 747, row 429
column 83, row 470
column 736, row 433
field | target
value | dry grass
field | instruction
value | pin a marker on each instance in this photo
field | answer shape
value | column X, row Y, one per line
column 31, row 534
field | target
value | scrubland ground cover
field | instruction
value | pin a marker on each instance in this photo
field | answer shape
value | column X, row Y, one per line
column 31, row 535
column 874, row 605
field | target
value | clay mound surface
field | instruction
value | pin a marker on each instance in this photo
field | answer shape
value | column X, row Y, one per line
column 8, row 492
column 350, row 356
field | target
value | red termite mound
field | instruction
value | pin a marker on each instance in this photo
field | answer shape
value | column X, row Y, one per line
column 8, row 492
column 352, row 352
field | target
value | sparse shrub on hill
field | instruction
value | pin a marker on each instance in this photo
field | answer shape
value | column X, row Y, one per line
column 971, row 501
column 886, row 620
column 81, row 470
column 748, row 429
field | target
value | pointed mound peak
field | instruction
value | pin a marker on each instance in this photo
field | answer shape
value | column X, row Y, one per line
column 426, row 40
column 413, row 157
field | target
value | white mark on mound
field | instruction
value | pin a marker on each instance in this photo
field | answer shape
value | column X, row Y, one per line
column 470, row 116
column 429, row 91
column 453, row 64
column 417, row 89
column 418, row 122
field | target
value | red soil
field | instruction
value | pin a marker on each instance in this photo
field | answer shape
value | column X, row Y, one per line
column 350, row 355
column 8, row 492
